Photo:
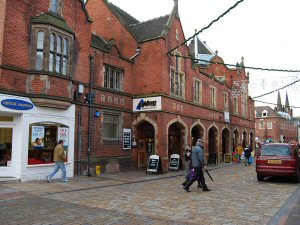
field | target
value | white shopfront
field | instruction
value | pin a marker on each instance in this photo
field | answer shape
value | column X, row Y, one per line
column 28, row 135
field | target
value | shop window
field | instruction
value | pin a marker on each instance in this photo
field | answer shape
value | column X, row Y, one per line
column 5, row 146
column 43, row 137
column 110, row 126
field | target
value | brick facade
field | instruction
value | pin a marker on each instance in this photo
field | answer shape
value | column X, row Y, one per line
column 147, row 73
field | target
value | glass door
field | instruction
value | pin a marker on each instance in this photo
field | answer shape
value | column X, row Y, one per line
column 5, row 146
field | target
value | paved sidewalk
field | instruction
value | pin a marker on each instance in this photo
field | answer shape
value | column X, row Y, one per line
column 137, row 198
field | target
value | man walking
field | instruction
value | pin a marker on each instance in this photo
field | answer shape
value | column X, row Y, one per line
column 199, row 164
column 59, row 159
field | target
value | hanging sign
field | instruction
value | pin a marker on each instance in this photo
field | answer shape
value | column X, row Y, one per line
column 16, row 104
column 174, row 161
column 63, row 134
column 126, row 138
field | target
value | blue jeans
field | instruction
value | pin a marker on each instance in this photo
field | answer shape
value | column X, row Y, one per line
column 57, row 166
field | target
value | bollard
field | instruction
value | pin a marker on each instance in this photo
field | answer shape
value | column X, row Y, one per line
column 98, row 171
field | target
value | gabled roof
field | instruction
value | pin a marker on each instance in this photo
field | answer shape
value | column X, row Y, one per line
column 260, row 109
column 203, row 52
column 142, row 31
column 150, row 29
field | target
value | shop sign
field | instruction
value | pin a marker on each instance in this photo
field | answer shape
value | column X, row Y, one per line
column 146, row 104
column 227, row 158
column 174, row 161
column 63, row 134
column 16, row 104
column 153, row 163
column 126, row 138
column 226, row 117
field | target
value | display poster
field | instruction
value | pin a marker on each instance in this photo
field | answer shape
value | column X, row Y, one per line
column 227, row 158
column 37, row 136
column 63, row 134
column 126, row 138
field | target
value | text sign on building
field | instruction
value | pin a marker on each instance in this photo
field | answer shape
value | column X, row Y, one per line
column 63, row 134
column 126, row 138
column 174, row 161
column 226, row 117
column 16, row 104
column 153, row 163
column 147, row 104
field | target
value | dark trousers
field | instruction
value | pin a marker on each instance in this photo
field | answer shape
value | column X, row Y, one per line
column 198, row 176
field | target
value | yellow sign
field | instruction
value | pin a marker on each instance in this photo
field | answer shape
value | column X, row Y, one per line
column 227, row 158
column 98, row 171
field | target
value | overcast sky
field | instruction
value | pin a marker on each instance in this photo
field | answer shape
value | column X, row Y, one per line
column 265, row 32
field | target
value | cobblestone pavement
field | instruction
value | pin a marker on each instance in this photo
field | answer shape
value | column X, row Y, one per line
column 139, row 198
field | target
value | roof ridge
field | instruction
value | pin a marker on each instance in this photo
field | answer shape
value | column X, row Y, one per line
column 150, row 20
column 123, row 11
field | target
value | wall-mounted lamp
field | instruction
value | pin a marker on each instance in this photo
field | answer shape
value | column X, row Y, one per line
column 97, row 113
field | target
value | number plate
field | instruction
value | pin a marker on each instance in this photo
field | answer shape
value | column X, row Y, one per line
column 274, row 161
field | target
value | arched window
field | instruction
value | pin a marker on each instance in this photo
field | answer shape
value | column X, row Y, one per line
column 65, row 56
column 39, row 51
column 52, row 52
column 58, row 55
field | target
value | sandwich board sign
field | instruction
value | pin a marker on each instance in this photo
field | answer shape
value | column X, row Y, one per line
column 153, row 163
column 227, row 158
column 174, row 161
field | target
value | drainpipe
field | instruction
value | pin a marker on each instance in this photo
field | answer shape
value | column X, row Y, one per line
column 79, row 142
column 90, row 112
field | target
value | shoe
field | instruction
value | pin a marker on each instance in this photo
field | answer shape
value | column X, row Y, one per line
column 48, row 179
column 64, row 181
column 187, row 190
column 199, row 186
column 206, row 189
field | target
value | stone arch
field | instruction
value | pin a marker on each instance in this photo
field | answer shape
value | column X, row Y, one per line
column 145, row 130
column 177, row 136
column 244, row 138
column 197, row 131
column 235, row 138
column 225, row 140
column 213, row 138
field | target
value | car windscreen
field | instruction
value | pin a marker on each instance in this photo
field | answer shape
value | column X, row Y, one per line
column 272, row 150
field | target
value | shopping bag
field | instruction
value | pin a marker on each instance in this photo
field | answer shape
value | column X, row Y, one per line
column 250, row 160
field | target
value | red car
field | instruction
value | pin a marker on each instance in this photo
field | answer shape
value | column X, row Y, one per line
column 278, row 160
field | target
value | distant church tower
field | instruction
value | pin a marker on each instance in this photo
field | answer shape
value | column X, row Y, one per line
column 279, row 104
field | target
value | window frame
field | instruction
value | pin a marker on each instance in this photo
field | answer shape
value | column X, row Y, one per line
column 177, row 77
column 113, row 78
column 48, row 51
column 213, row 97
column 118, row 126
column 197, row 91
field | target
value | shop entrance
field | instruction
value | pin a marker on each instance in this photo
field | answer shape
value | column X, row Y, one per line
column 146, row 143
column 245, row 142
column 6, row 134
column 225, row 141
column 251, row 140
column 197, row 133
column 235, row 139
column 175, row 139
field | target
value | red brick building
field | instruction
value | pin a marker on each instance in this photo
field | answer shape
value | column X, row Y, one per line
column 97, row 77
column 276, row 125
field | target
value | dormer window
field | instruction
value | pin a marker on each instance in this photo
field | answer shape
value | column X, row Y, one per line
column 264, row 113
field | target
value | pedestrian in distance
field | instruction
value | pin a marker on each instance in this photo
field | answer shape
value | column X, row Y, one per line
column 59, row 160
column 199, row 165
column 239, row 150
column 247, row 152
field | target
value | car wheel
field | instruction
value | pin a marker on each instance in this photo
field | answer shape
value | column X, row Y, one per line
column 260, row 177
